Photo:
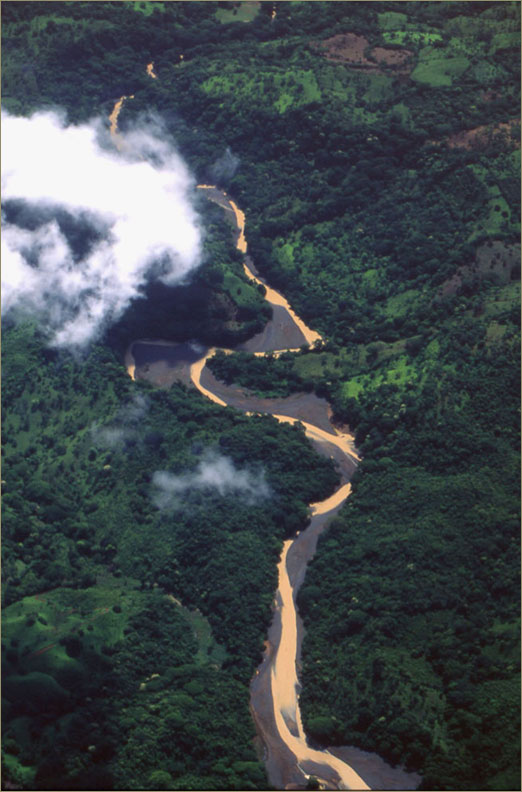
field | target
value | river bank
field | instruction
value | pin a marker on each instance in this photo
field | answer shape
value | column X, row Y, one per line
column 289, row 760
column 284, row 770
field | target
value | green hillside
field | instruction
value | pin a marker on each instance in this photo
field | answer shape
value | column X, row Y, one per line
column 378, row 164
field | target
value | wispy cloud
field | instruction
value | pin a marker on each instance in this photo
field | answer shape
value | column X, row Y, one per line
column 85, row 227
column 215, row 473
column 124, row 426
column 224, row 168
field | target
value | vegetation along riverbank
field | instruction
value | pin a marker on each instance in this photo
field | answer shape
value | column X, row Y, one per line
column 374, row 151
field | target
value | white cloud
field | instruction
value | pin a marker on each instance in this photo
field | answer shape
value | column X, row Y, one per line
column 225, row 167
column 136, row 204
column 215, row 473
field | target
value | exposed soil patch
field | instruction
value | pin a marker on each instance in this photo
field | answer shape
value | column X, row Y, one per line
column 353, row 50
column 489, row 96
column 482, row 136
column 495, row 258
column 388, row 57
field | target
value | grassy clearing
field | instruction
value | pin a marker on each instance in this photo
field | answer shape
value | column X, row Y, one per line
column 371, row 277
column 245, row 12
column 22, row 776
column 499, row 217
column 29, row 423
column 405, row 37
column 392, row 20
column 505, row 40
column 433, row 349
column 352, row 388
column 304, row 86
column 508, row 165
column 495, row 332
column 340, row 86
column 396, row 29
column 285, row 253
column 350, row 365
column 400, row 304
column 485, row 72
column 458, row 46
column 481, row 173
column 242, row 293
column 314, row 366
column 438, row 70
column 399, row 373
column 208, row 649
column 465, row 25
column 471, row 43
column 403, row 113
column 147, row 9
column 37, row 622
column 292, row 88
column 345, row 86
column 379, row 87
column 473, row 27
column 98, row 616
column 505, row 298
column 59, row 637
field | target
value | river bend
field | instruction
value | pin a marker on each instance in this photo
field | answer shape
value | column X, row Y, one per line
column 290, row 761
column 277, row 680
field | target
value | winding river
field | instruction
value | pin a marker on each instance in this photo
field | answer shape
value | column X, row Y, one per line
column 290, row 761
column 279, row 666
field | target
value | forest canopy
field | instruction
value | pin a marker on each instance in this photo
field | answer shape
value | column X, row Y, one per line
column 375, row 149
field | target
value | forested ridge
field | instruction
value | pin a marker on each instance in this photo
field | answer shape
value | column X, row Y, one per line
column 382, row 198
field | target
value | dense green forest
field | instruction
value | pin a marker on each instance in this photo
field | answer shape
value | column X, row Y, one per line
column 105, row 557
column 377, row 151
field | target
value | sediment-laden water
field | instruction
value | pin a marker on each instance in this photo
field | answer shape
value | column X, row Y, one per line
column 275, row 687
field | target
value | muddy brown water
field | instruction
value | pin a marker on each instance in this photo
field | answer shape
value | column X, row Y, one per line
column 162, row 363
column 279, row 334
column 304, row 406
column 283, row 769
column 281, row 741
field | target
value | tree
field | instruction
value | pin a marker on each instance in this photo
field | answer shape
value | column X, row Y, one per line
column 160, row 779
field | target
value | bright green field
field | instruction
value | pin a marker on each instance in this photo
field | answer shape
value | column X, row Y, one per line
column 245, row 13
column 148, row 8
column 400, row 304
column 283, row 88
column 404, row 37
column 36, row 624
column 243, row 294
column 399, row 373
column 436, row 70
